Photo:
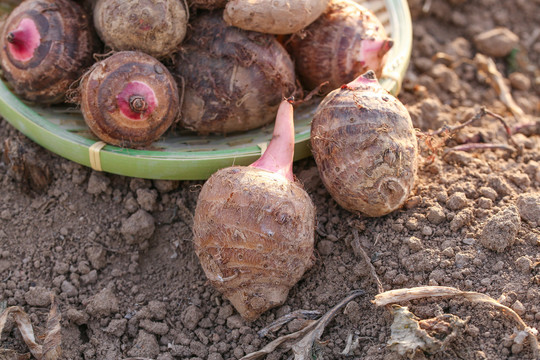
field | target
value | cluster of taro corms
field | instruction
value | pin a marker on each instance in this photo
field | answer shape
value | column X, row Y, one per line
column 231, row 61
column 254, row 226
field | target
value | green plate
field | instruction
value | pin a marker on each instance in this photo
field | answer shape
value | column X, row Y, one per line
column 179, row 156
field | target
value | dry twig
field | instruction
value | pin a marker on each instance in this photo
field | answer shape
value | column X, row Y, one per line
column 487, row 66
column 303, row 348
column 479, row 146
column 298, row 314
column 359, row 250
column 450, row 130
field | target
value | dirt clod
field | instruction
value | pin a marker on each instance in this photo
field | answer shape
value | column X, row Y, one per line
column 165, row 186
column 153, row 327
column 457, row 201
column 529, row 208
column 138, row 227
column 98, row 183
column 497, row 42
column 191, row 317
column 147, row 198
column 76, row 316
column 500, row 231
column 38, row 296
column 145, row 345
column 102, row 304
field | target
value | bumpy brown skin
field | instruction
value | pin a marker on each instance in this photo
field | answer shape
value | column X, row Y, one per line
column 207, row 4
column 234, row 79
column 64, row 53
column 106, row 80
column 254, row 235
column 277, row 17
column 155, row 27
column 329, row 49
column 365, row 147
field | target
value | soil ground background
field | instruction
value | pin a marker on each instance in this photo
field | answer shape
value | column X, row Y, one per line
column 117, row 251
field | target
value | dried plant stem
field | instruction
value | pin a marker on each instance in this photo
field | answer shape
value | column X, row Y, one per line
column 399, row 295
column 311, row 94
column 427, row 6
column 487, row 65
column 480, row 146
column 528, row 128
column 359, row 250
column 308, row 335
column 298, row 314
column 479, row 115
column 477, row 146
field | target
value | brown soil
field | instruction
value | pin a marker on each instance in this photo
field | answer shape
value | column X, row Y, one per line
column 117, row 251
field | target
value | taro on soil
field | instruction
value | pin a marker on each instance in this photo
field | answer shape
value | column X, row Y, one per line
column 365, row 147
column 254, row 226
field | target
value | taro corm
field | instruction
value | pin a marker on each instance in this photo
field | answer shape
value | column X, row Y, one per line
column 129, row 99
column 155, row 27
column 343, row 43
column 234, row 79
column 365, row 147
column 273, row 17
column 254, row 226
column 45, row 46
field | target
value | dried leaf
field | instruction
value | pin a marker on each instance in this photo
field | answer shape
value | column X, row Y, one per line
column 51, row 348
column 399, row 295
column 53, row 337
column 406, row 335
column 409, row 334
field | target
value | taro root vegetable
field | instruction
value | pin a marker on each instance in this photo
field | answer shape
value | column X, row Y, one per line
column 365, row 147
column 155, row 27
column 254, row 226
column 273, row 17
column 45, row 45
column 234, row 79
column 129, row 99
column 345, row 42
column 207, row 4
